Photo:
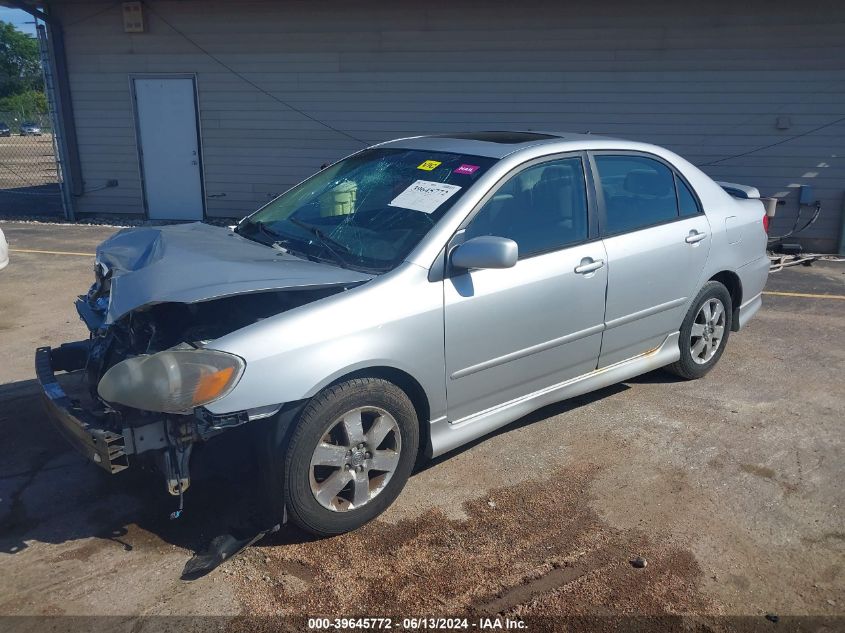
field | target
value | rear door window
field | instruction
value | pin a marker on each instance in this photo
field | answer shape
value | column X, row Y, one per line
column 638, row 192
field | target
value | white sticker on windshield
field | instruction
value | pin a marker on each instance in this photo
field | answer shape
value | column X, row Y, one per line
column 425, row 196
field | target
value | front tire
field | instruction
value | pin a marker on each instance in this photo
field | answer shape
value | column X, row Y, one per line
column 704, row 332
column 350, row 455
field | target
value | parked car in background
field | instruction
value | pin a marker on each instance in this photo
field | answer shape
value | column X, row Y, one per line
column 402, row 302
column 4, row 129
column 4, row 251
column 30, row 129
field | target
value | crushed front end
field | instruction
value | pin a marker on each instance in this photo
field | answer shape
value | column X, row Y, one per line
column 160, row 298
column 113, row 435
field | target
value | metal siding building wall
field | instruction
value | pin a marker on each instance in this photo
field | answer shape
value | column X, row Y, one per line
column 707, row 81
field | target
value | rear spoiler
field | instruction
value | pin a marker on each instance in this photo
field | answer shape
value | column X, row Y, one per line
column 740, row 191
column 744, row 192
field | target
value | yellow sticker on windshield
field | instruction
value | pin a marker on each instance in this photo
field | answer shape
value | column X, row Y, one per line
column 429, row 165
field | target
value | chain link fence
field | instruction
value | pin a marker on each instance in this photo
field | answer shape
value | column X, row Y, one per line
column 29, row 177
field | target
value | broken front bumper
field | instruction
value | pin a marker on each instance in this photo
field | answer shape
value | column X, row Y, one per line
column 108, row 438
column 81, row 428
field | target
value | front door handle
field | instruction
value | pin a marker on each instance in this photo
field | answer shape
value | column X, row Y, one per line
column 588, row 265
column 694, row 237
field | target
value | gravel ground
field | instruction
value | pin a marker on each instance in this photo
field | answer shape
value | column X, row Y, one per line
column 729, row 487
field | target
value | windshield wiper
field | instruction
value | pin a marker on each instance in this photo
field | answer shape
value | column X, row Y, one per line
column 260, row 227
column 325, row 240
column 282, row 243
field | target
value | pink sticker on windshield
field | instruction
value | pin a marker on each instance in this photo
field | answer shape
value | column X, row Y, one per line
column 466, row 169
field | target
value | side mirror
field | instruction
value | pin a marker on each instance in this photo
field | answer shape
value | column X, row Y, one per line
column 487, row 251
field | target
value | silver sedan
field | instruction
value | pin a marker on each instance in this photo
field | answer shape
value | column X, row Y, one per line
column 404, row 301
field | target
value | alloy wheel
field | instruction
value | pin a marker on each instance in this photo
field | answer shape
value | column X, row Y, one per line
column 708, row 330
column 355, row 459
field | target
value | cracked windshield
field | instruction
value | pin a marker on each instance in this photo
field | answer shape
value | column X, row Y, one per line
column 367, row 211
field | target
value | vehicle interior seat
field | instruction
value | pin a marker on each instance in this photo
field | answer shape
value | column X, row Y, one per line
column 539, row 209
column 556, row 198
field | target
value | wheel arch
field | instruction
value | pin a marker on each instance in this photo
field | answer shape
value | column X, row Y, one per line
column 732, row 282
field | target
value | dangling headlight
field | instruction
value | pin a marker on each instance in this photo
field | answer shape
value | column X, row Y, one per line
column 172, row 381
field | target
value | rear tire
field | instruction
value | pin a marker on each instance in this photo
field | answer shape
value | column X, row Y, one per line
column 350, row 455
column 704, row 332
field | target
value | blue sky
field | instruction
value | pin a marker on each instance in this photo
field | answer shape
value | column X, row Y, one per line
column 18, row 18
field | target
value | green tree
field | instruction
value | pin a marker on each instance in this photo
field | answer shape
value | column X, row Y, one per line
column 20, row 63
column 25, row 105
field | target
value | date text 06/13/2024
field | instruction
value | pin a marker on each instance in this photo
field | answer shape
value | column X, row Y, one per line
column 419, row 623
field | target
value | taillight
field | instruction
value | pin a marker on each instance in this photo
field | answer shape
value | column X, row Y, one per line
column 766, row 223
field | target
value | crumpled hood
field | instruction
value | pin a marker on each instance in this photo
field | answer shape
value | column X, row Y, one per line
column 187, row 263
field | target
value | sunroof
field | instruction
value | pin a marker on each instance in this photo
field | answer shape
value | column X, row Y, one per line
column 506, row 138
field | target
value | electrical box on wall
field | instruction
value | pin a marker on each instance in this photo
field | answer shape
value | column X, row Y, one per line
column 805, row 194
column 133, row 17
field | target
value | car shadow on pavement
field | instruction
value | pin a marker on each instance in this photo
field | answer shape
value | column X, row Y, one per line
column 656, row 377
column 557, row 408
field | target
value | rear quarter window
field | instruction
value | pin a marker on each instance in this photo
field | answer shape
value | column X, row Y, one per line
column 687, row 204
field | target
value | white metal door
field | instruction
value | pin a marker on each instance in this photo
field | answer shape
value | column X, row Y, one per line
column 168, row 145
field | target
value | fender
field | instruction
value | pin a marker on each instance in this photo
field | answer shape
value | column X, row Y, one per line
column 293, row 355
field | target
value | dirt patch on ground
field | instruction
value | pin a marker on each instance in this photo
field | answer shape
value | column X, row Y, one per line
column 525, row 551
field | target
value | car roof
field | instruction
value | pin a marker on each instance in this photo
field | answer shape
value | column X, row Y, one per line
column 493, row 144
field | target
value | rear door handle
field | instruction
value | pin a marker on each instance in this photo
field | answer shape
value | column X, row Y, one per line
column 588, row 265
column 694, row 237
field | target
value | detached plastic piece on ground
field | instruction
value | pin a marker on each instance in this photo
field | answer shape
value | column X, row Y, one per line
column 220, row 549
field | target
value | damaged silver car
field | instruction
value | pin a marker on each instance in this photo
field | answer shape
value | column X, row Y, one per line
column 402, row 302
